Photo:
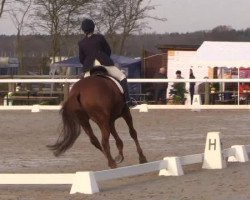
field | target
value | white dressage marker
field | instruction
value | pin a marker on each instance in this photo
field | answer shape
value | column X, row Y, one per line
column 213, row 156
column 196, row 102
column 143, row 107
column 35, row 108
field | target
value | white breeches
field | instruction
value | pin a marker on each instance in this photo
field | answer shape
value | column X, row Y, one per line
column 112, row 71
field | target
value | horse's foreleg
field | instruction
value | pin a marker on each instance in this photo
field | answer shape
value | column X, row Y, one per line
column 118, row 141
column 128, row 118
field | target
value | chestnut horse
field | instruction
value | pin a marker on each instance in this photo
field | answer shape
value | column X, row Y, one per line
column 97, row 98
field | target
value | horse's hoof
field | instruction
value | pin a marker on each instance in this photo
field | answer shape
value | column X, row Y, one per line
column 119, row 159
column 113, row 166
column 143, row 160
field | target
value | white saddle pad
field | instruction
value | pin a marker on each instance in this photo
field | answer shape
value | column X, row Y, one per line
column 117, row 83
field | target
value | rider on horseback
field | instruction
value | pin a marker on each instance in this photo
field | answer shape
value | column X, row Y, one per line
column 94, row 50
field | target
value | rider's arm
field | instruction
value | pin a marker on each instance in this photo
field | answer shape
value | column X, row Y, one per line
column 105, row 46
column 81, row 54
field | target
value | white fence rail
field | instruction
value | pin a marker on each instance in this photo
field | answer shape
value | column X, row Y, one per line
column 140, row 108
column 141, row 80
column 65, row 80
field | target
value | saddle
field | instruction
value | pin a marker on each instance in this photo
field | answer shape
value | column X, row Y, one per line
column 102, row 71
column 98, row 70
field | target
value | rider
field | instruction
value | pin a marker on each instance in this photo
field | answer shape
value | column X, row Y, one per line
column 94, row 50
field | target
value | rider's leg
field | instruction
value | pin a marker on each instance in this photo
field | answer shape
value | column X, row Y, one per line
column 115, row 72
column 119, row 75
column 130, row 102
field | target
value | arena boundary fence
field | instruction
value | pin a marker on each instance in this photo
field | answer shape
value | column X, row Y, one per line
column 214, row 157
column 143, row 107
column 140, row 108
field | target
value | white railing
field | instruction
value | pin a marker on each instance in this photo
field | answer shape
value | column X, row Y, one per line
column 141, row 80
column 141, row 108
column 68, row 80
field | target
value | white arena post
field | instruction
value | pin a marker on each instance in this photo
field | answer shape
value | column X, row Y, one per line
column 240, row 155
column 35, row 108
column 196, row 102
column 143, row 108
column 84, row 182
column 213, row 156
column 174, row 167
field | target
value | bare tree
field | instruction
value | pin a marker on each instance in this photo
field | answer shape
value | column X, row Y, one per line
column 4, row 4
column 223, row 33
column 18, row 12
column 120, row 18
column 57, row 18
column 2, row 7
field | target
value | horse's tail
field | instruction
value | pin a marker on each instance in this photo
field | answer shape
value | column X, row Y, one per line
column 71, row 128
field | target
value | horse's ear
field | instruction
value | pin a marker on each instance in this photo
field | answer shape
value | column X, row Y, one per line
column 98, row 70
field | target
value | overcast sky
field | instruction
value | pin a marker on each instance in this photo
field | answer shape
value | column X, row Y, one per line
column 193, row 15
column 187, row 15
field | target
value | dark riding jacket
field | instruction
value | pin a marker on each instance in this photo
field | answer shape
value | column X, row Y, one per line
column 94, row 47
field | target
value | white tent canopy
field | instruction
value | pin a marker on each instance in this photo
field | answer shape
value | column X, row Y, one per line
column 223, row 54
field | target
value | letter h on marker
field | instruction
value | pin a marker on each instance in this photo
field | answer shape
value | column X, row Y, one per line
column 212, row 144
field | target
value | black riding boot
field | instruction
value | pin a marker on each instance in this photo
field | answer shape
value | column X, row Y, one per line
column 130, row 102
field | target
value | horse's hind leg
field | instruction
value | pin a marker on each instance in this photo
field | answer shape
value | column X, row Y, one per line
column 119, row 143
column 84, row 121
column 105, row 129
column 128, row 118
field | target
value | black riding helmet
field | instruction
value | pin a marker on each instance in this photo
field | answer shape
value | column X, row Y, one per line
column 88, row 26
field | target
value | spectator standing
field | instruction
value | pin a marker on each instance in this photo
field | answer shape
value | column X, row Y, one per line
column 179, row 89
column 191, row 85
column 204, row 91
column 160, row 89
